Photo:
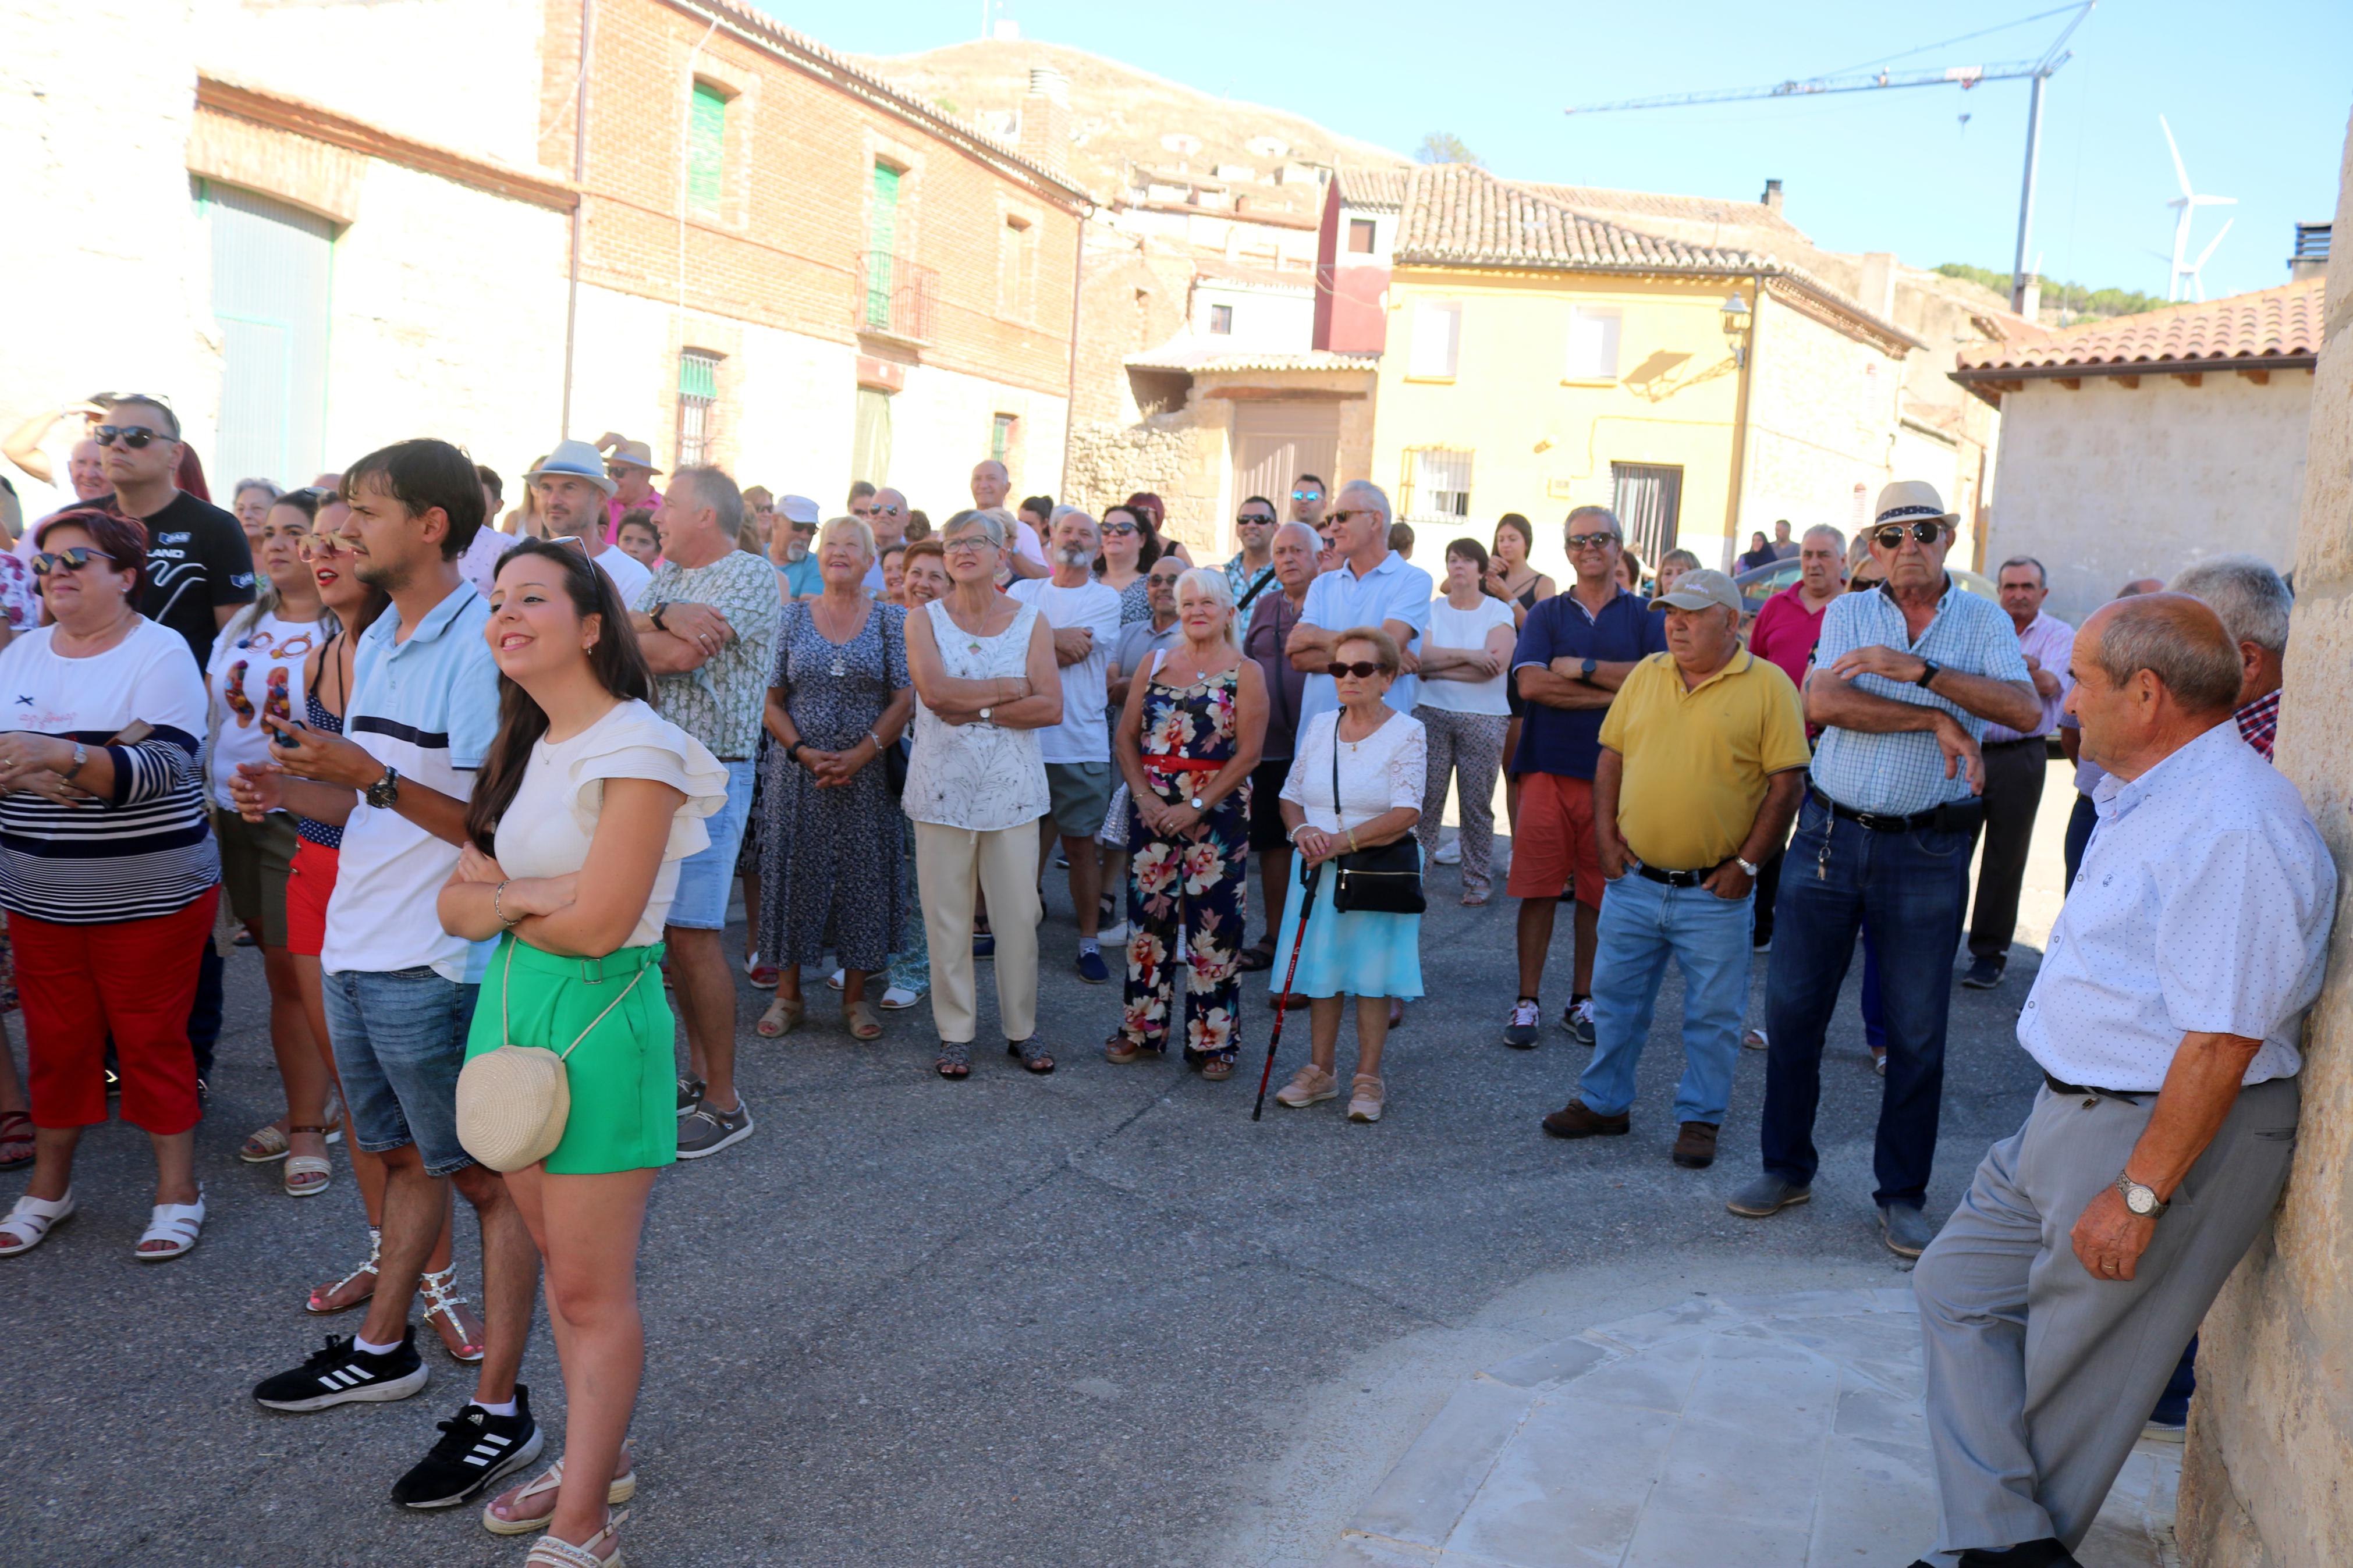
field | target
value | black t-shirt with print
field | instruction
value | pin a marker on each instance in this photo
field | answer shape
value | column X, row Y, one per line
column 196, row 559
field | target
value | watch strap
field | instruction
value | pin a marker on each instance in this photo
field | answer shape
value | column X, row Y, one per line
column 1928, row 672
column 2127, row 1186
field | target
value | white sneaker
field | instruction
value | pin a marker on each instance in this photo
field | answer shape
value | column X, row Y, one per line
column 834, row 980
column 898, row 998
column 1450, row 853
column 1113, row 936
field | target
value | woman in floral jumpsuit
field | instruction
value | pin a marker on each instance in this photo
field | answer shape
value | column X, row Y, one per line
column 1188, row 738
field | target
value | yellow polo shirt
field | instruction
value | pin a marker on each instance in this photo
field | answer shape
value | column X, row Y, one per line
column 1696, row 762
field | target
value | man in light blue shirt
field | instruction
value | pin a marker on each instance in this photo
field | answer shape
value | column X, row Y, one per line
column 1905, row 678
column 2164, row 1016
column 1372, row 586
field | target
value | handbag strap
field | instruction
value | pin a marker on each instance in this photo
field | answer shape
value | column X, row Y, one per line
column 506, row 974
column 1335, row 772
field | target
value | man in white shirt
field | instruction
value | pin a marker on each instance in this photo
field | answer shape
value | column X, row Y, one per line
column 573, row 489
column 2165, row 1017
column 1372, row 586
column 1085, row 618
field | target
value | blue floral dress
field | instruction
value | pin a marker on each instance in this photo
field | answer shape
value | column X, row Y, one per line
column 1198, row 884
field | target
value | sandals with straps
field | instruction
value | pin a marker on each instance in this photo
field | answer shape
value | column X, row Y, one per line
column 442, row 1302
column 549, row 1552
column 177, row 1224
column 307, row 1175
column 545, row 1483
column 329, row 1292
column 955, row 1059
column 15, row 1139
column 1033, row 1056
column 30, row 1220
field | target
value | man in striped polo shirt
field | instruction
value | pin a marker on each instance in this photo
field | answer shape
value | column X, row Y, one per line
column 399, row 989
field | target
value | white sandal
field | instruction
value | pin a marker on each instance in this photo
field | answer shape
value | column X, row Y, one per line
column 31, row 1219
column 624, row 1487
column 549, row 1552
column 179, row 1224
column 442, row 1300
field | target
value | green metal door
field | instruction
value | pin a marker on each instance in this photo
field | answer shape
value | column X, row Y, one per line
column 881, row 244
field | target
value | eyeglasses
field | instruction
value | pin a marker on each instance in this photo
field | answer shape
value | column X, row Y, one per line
column 1337, row 517
column 1590, row 541
column 1122, row 528
column 72, row 559
column 970, row 542
column 132, row 436
column 1890, row 537
column 1363, row 669
column 1251, row 519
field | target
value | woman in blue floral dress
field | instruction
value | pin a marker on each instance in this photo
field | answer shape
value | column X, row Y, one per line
column 1190, row 734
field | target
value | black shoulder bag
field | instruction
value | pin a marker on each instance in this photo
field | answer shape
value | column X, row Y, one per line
column 1382, row 881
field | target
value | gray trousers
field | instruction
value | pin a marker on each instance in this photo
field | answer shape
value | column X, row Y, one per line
column 2040, row 1376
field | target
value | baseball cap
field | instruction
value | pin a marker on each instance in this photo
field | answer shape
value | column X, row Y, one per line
column 796, row 509
column 1700, row 589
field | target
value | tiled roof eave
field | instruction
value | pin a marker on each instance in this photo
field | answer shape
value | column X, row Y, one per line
column 1967, row 375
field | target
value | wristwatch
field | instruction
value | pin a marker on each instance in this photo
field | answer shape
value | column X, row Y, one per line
column 1196, row 804
column 2140, row 1200
column 1928, row 672
column 1754, row 872
column 1585, row 672
column 655, row 615
column 989, row 715
column 385, row 793
column 81, row 756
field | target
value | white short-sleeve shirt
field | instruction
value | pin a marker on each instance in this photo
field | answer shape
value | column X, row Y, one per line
column 1450, row 627
column 1082, row 736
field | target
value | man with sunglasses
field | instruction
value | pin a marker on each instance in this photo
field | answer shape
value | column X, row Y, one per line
column 886, row 514
column 1905, row 679
column 1574, row 652
column 199, row 565
column 1372, row 586
column 631, row 469
column 1252, row 571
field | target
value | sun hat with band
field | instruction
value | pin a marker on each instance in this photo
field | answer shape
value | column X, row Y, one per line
column 1699, row 589
column 636, row 454
column 1912, row 501
column 575, row 460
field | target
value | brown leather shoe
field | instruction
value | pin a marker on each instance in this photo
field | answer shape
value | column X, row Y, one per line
column 1574, row 1120
column 1695, row 1145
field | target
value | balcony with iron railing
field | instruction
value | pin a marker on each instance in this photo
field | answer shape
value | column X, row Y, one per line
column 895, row 297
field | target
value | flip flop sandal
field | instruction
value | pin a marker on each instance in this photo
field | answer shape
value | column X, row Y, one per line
column 328, row 1292
column 624, row 1487
column 442, row 1300
column 265, row 1145
column 30, row 1220
column 549, row 1552
column 178, row 1223
column 15, row 1139
column 955, row 1060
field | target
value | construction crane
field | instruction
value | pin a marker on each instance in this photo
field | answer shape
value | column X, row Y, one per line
column 2038, row 71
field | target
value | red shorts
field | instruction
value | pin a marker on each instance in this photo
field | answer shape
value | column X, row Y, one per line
column 1555, row 849
column 308, row 885
column 131, row 982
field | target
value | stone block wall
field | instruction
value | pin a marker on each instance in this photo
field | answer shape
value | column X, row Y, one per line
column 2271, row 1432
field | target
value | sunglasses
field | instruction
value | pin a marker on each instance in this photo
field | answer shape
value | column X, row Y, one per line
column 132, row 436
column 1122, row 528
column 1251, row 519
column 1590, row 541
column 1363, row 669
column 886, row 511
column 1307, row 495
column 72, row 559
column 574, row 541
column 1337, row 517
column 320, row 546
column 1890, row 537
column 1863, row 584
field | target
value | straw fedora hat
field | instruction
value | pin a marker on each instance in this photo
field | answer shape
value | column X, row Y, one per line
column 637, row 453
column 1909, row 500
column 575, row 460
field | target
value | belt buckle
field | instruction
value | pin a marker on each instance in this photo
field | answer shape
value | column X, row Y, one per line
column 596, row 978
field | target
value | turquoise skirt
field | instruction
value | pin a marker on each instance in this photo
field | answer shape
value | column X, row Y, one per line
column 1360, row 953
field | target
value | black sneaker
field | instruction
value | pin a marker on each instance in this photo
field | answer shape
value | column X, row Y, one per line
column 343, row 1373
column 476, row 1448
column 1985, row 973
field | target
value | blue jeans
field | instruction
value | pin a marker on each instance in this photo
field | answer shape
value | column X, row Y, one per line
column 1644, row 923
column 706, row 877
column 1907, row 892
column 400, row 1038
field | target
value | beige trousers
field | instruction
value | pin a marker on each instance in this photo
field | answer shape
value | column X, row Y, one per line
column 950, row 863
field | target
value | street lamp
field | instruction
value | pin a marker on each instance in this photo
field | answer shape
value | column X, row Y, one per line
column 1734, row 311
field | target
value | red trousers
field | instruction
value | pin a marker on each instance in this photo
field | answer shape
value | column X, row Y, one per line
column 135, row 980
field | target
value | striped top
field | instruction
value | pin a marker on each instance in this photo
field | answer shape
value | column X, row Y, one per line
column 325, row 834
column 146, row 851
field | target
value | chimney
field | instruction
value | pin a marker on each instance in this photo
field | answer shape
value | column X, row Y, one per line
column 2310, row 258
column 1045, row 136
column 1772, row 197
column 2030, row 298
column 1875, row 289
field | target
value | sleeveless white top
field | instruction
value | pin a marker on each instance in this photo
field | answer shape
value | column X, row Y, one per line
column 976, row 776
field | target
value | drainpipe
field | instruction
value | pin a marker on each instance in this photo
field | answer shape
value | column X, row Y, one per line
column 1070, row 398
column 579, row 203
column 1741, row 445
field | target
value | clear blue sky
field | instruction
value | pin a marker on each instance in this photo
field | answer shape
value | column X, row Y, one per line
column 2257, row 94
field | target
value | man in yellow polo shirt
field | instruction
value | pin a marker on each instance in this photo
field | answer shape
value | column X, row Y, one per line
column 1703, row 764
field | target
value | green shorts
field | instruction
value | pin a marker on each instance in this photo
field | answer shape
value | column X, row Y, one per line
column 623, row 1074
column 255, row 858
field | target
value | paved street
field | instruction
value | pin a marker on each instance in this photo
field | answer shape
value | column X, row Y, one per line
column 1097, row 1319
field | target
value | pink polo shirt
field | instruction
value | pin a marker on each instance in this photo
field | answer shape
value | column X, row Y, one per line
column 1785, row 632
column 617, row 508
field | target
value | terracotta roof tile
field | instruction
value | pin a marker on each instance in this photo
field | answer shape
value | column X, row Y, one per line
column 2270, row 323
column 1375, row 189
column 1452, row 212
column 1754, row 215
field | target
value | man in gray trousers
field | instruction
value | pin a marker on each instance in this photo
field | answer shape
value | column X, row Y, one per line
column 2057, row 1300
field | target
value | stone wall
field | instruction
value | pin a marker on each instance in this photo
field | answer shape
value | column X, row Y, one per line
column 2271, row 1434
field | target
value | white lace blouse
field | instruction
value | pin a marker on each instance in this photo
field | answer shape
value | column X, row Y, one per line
column 1385, row 770
column 977, row 777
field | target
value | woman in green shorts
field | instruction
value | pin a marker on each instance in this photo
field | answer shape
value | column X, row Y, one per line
column 579, row 819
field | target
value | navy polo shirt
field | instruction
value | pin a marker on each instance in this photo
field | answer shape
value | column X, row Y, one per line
column 1565, row 741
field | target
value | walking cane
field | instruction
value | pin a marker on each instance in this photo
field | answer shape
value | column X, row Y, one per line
column 1306, row 904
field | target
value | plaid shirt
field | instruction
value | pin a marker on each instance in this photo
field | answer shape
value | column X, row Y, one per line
column 2259, row 723
column 1900, row 775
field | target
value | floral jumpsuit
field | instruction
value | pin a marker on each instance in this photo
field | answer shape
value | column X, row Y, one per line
column 1198, row 884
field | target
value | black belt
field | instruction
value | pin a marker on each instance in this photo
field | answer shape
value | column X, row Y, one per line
column 1677, row 878
column 2085, row 1091
column 1961, row 817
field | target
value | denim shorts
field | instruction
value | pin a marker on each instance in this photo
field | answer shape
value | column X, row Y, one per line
column 400, row 1040
column 705, row 877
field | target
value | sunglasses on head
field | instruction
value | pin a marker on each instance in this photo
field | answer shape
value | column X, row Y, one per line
column 574, row 541
column 1363, row 669
column 132, row 436
column 1891, row 535
column 72, row 559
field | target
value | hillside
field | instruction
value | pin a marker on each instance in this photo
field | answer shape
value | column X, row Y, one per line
column 1126, row 119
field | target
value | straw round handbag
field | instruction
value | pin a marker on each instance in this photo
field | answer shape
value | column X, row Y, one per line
column 513, row 1102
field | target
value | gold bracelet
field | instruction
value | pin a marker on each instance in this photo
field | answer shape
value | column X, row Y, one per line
column 499, row 906
column 1352, row 841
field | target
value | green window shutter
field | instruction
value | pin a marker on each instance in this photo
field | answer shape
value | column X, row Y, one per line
column 698, row 374
column 706, row 146
column 884, row 232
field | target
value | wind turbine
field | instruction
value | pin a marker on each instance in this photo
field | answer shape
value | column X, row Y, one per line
column 2188, row 203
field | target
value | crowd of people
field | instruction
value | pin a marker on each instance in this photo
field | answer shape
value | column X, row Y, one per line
column 480, row 785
